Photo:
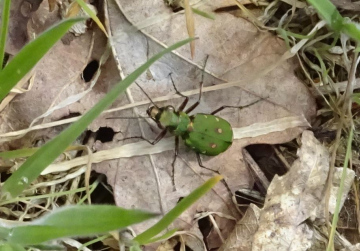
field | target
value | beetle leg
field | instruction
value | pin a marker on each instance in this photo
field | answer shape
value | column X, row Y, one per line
column 173, row 163
column 191, row 108
column 154, row 142
column 159, row 137
column 238, row 107
column 201, row 165
column 176, row 90
column 184, row 103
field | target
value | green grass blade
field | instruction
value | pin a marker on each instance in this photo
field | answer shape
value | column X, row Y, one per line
column 174, row 213
column 36, row 163
column 4, row 30
column 26, row 59
column 11, row 247
column 327, row 10
column 340, row 191
column 165, row 236
column 46, row 196
column 98, row 239
column 26, row 152
column 284, row 36
column 92, row 15
column 76, row 221
column 203, row 13
column 3, row 232
column 20, row 153
column 351, row 29
column 356, row 98
column 45, row 247
column 135, row 247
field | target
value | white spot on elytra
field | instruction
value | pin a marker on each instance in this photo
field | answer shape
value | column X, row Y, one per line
column 203, row 152
column 205, row 116
column 217, row 119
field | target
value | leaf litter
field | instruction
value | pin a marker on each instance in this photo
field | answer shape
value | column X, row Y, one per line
column 145, row 181
column 237, row 73
column 293, row 203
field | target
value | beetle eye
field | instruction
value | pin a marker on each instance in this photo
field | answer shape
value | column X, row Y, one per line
column 170, row 108
column 153, row 111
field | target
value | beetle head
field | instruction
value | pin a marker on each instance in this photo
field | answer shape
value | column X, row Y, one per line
column 153, row 111
column 162, row 115
column 156, row 112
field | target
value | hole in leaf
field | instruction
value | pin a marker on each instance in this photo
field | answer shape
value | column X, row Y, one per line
column 90, row 70
column 71, row 115
column 246, row 196
column 227, row 9
column 178, row 246
column 4, row 176
column 103, row 192
column 205, row 227
column 105, row 134
column 266, row 158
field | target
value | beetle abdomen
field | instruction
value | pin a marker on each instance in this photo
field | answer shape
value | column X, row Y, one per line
column 209, row 134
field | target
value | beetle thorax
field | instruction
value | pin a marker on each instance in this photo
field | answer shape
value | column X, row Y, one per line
column 167, row 117
column 163, row 116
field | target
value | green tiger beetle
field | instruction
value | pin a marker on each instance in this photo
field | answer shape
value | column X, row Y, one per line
column 205, row 134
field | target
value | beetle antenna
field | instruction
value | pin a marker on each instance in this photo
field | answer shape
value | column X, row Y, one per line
column 152, row 102
column 203, row 71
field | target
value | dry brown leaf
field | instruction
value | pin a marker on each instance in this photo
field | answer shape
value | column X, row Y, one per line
column 52, row 4
column 291, row 200
column 168, row 245
column 73, row 9
column 237, row 52
column 294, row 198
column 242, row 236
column 347, row 5
column 350, row 175
column 21, row 11
column 57, row 76
column 26, row 81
